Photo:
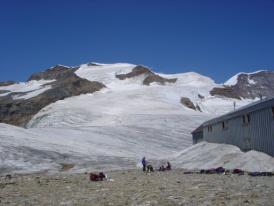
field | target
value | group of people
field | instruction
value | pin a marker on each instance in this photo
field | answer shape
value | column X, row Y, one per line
column 147, row 167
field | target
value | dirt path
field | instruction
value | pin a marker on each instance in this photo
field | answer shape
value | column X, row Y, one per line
column 135, row 188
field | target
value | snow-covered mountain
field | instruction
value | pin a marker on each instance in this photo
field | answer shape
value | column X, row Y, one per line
column 103, row 116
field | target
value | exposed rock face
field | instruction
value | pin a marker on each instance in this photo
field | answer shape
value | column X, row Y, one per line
column 7, row 83
column 93, row 64
column 188, row 103
column 136, row 71
column 226, row 91
column 3, row 91
column 198, row 108
column 20, row 111
column 156, row 78
column 56, row 72
column 249, row 86
column 150, row 77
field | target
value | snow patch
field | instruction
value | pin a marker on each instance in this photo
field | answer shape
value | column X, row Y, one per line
column 31, row 88
column 60, row 65
column 251, row 81
column 233, row 80
column 210, row 155
column 32, row 93
column 105, row 73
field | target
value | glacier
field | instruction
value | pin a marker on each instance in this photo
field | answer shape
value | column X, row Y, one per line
column 115, row 127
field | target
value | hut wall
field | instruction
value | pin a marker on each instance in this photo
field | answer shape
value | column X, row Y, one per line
column 258, row 134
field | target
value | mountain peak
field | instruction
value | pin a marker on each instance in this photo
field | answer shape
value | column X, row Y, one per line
column 234, row 80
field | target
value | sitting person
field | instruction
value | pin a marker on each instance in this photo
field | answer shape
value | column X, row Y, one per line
column 149, row 168
column 97, row 177
column 162, row 168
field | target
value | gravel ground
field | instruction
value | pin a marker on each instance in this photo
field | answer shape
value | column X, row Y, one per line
column 133, row 187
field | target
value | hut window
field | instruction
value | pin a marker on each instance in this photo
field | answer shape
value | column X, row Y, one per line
column 209, row 128
column 224, row 125
column 272, row 111
column 248, row 118
column 244, row 121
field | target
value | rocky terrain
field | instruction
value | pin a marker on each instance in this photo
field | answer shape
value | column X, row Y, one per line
column 133, row 187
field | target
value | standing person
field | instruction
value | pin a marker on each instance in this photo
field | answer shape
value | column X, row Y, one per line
column 168, row 166
column 144, row 163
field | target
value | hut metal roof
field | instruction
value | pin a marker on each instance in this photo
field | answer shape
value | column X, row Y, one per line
column 261, row 104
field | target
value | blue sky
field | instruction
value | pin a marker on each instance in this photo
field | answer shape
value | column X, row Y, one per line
column 216, row 38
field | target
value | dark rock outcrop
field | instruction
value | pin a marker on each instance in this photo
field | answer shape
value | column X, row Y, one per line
column 188, row 103
column 225, row 91
column 156, row 78
column 136, row 71
column 7, row 83
column 4, row 91
column 201, row 96
column 18, row 112
column 93, row 64
column 249, row 86
column 150, row 77
column 198, row 108
column 56, row 72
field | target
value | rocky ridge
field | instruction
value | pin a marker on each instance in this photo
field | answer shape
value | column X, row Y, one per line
column 57, row 72
column 248, row 86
